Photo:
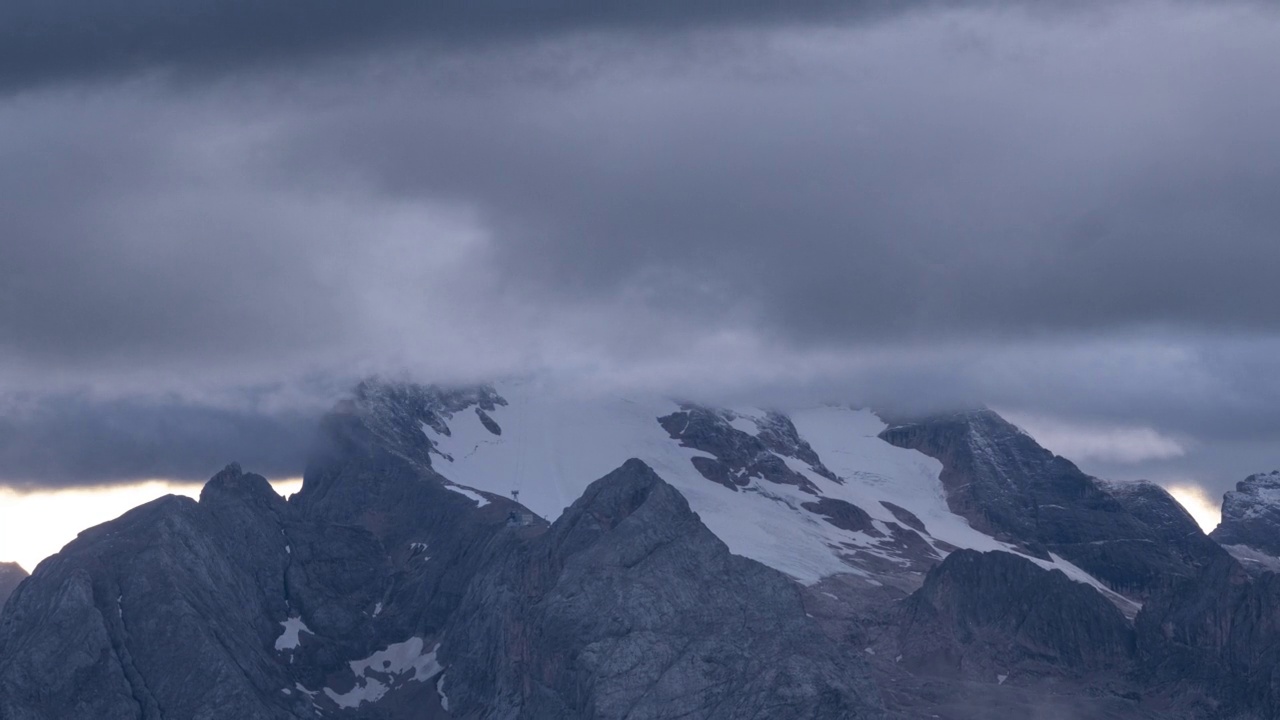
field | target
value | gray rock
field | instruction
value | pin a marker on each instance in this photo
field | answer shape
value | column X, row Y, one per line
column 1007, row 485
column 1213, row 642
column 162, row 608
column 983, row 614
column 1251, row 514
column 739, row 455
column 629, row 607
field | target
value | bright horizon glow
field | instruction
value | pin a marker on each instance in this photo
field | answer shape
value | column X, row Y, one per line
column 1200, row 504
column 35, row 525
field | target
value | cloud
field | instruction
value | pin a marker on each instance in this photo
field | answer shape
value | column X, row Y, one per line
column 65, row 441
column 1083, row 443
column 1069, row 214
column 56, row 40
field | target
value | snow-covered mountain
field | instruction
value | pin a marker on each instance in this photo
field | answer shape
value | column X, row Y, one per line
column 813, row 493
column 523, row 551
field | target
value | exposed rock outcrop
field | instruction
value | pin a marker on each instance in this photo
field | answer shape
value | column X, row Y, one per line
column 1214, row 641
column 1006, row 484
column 628, row 607
column 1251, row 514
column 981, row 615
column 166, row 607
column 741, row 456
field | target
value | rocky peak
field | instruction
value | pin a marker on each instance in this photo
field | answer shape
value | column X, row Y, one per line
column 1153, row 501
column 236, row 487
column 615, row 497
column 1170, row 525
column 1251, row 514
column 397, row 412
column 633, row 495
column 1004, row 483
column 988, row 467
column 629, row 607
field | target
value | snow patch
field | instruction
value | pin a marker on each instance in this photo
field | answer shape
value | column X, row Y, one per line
column 291, row 637
column 745, row 423
column 444, row 699
column 1253, row 557
column 1129, row 607
column 480, row 500
column 386, row 670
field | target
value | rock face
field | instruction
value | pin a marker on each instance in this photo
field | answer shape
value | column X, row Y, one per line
column 1251, row 514
column 1214, row 641
column 994, row 636
column 981, row 615
column 1006, row 484
column 740, row 455
column 100, row 629
column 11, row 575
column 628, row 607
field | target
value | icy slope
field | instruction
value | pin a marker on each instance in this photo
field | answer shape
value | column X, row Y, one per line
column 553, row 445
column 782, row 500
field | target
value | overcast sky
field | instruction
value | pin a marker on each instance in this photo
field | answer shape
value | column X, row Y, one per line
column 214, row 217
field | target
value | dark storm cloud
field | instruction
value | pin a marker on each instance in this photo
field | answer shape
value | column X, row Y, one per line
column 67, row 441
column 43, row 40
column 1072, row 214
column 960, row 177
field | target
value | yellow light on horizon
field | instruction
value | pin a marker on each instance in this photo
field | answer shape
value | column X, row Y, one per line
column 1206, row 511
column 37, row 524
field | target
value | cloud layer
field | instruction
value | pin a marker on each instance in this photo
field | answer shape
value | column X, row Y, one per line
column 1068, row 213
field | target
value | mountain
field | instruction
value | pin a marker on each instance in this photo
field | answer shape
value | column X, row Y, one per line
column 521, row 551
column 382, row 589
column 1250, row 527
column 11, row 574
column 1000, row 480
